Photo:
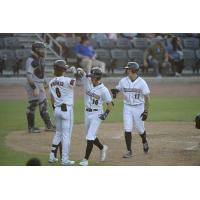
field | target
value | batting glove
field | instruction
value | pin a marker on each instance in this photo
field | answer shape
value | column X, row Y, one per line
column 144, row 115
column 104, row 115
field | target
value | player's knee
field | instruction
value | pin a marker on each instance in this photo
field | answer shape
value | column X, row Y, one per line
column 32, row 106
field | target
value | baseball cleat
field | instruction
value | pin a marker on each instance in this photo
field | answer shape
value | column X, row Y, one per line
column 50, row 128
column 53, row 160
column 128, row 154
column 145, row 147
column 84, row 162
column 34, row 130
column 103, row 153
column 69, row 162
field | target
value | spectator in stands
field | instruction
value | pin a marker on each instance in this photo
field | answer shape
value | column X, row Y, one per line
column 176, row 56
column 113, row 36
column 17, row 66
column 157, row 57
column 128, row 35
column 87, row 55
column 2, row 65
column 99, row 36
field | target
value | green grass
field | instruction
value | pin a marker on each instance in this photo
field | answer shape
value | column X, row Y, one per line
column 13, row 117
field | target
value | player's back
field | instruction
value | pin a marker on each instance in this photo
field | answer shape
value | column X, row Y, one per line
column 62, row 90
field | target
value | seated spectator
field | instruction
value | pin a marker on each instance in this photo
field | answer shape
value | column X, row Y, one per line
column 17, row 66
column 176, row 56
column 113, row 36
column 99, row 36
column 87, row 55
column 128, row 35
column 157, row 57
column 2, row 66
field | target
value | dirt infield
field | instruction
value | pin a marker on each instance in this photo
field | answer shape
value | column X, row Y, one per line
column 171, row 143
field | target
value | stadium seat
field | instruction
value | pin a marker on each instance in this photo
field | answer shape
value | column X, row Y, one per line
column 9, row 56
column 198, row 54
column 189, row 58
column 103, row 55
column 140, row 43
column 70, row 42
column 107, row 44
column 11, row 42
column 124, row 43
column 22, row 53
column 94, row 43
column 136, row 55
column 2, row 43
column 191, row 43
column 120, row 56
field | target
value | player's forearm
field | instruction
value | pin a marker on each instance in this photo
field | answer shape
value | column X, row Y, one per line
column 146, row 104
column 30, row 80
column 109, row 106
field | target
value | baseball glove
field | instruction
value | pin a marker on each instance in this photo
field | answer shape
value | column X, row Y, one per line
column 144, row 115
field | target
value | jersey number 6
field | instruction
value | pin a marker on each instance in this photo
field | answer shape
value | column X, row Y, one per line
column 58, row 93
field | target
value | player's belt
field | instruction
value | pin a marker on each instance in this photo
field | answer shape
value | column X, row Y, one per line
column 90, row 109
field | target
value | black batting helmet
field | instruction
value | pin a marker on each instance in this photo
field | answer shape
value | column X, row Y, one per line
column 96, row 73
column 61, row 64
column 197, row 121
column 133, row 66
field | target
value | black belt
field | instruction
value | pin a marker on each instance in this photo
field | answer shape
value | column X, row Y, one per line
column 90, row 109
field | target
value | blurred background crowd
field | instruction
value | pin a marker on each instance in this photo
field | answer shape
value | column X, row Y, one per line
column 159, row 54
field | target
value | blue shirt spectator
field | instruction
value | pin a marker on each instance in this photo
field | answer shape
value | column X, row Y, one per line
column 84, row 49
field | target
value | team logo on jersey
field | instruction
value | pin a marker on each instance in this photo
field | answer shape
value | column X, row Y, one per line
column 132, row 90
column 57, row 83
column 91, row 94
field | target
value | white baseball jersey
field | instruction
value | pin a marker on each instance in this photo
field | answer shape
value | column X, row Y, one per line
column 62, row 90
column 133, row 91
column 95, row 96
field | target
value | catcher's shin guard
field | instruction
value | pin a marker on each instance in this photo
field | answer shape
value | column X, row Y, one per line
column 44, row 114
column 30, row 113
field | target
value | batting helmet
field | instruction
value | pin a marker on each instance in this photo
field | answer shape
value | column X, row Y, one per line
column 133, row 66
column 197, row 121
column 61, row 64
column 96, row 73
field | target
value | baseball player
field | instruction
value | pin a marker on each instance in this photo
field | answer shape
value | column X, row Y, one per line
column 95, row 94
column 136, row 105
column 62, row 98
column 35, row 88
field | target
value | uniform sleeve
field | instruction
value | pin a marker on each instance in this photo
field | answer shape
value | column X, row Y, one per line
column 71, row 82
column 106, row 97
column 119, row 86
column 29, row 68
column 145, row 89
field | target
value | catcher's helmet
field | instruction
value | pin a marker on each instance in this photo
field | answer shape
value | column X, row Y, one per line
column 96, row 73
column 38, row 45
column 39, row 48
column 61, row 64
column 197, row 121
column 133, row 66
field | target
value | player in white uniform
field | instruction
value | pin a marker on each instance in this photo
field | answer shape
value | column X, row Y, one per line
column 95, row 94
column 136, row 105
column 62, row 97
